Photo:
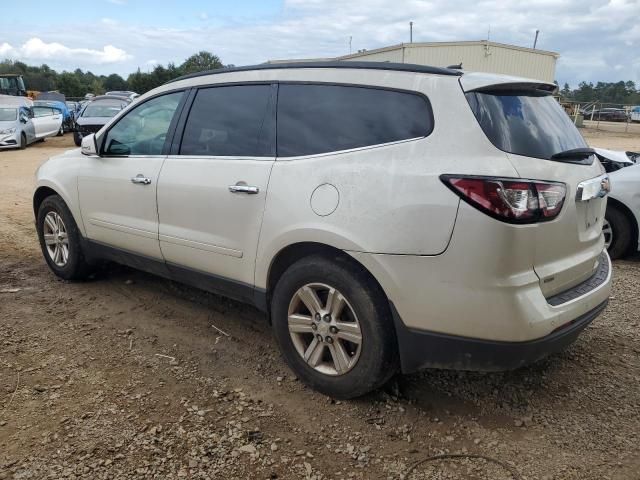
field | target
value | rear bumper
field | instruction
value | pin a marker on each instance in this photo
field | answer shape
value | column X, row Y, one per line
column 422, row 349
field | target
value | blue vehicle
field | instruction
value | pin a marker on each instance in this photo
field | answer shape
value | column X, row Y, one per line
column 58, row 102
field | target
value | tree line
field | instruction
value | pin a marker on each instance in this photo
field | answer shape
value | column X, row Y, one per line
column 624, row 93
column 78, row 83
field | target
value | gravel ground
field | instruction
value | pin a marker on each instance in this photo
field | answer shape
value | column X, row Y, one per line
column 131, row 376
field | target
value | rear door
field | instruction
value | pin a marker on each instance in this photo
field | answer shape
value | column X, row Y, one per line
column 528, row 124
column 46, row 121
column 212, row 189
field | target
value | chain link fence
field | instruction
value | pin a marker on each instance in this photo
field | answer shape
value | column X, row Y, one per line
column 611, row 117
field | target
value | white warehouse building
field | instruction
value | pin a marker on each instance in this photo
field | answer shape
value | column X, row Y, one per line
column 475, row 56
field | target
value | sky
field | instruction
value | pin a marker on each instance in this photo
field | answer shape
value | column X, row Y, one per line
column 598, row 40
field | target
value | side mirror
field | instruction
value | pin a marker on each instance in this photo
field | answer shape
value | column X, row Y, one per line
column 89, row 146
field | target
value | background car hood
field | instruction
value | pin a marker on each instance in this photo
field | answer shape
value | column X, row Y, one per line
column 614, row 155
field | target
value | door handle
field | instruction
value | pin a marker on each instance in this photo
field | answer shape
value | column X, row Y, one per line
column 141, row 180
column 249, row 189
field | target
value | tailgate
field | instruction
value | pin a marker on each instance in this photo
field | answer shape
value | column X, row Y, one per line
column 567, row 249
column 522, row 119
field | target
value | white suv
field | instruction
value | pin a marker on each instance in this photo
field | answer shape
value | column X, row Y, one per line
column 385, row 216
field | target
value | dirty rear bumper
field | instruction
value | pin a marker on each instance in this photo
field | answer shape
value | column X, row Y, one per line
column 421, row 349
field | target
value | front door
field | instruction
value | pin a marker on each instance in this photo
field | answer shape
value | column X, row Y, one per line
column 118, row 189
column 211, row 193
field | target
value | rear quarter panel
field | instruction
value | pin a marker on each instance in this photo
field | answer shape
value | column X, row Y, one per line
column 391, row 199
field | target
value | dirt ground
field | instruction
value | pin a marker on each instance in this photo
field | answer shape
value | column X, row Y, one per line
column 631, row 128
column 125, row 376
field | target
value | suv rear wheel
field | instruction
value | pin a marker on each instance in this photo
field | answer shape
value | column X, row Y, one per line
column 334, row 327
column 60, row 240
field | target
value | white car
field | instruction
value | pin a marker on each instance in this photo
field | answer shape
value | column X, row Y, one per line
column 386, row 216
column 635, row 114
column 623, row 212
column 22, row 124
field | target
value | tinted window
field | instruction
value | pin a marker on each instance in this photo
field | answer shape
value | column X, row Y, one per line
column 143, row 130
column 525, row 123
column 324, row 118
column 231, row 121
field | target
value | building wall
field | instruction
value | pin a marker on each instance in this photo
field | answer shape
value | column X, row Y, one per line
column 475, row 57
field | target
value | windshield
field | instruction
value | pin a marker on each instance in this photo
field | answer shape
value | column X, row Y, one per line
column 525, row 122
column 8, row 114
column 102, row 109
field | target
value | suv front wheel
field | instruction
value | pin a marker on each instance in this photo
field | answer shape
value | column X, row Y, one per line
column 60, row 240
column 334, row 327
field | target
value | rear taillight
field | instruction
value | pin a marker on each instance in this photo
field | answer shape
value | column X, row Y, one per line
column 508, row 199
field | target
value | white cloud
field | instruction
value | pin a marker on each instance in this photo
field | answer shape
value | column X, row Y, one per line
column 591, row 36
column 38, row 50
column 203, row 16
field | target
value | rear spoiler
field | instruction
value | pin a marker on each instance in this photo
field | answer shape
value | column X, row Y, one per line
column 479, row 82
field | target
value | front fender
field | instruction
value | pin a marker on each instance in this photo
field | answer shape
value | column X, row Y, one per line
column 59, row 175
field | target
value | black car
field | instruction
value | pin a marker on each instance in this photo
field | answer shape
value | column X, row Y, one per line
column 96, row 114
column 607, row 114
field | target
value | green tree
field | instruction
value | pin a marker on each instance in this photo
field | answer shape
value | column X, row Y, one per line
column 115, row 82
column 69, row 84
column 201, row 61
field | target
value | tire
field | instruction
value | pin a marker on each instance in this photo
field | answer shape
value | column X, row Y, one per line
column 73, row 265
column 23, row 141
column 621, row 232
column 76, row 139
column 368, row 366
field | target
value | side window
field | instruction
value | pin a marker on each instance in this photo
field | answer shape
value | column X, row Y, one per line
column 236, row 121
column 42, row 112
column 143, row 130
column 316, row 119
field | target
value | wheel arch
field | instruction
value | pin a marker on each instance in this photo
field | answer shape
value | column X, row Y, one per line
column 45, row 189
column 290, row 254
column 39, row 195
column 626, row 211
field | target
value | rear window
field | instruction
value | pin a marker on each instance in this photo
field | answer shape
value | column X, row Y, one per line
column 316, row 119
column 102, row 109
column 525, row 123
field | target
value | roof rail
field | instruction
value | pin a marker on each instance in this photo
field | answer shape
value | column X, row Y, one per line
column 400, row 67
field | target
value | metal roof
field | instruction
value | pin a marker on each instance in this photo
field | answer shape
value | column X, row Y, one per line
column 399, row 67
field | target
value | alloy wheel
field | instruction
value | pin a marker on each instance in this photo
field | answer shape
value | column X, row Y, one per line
column 56, row 239
column 324, row 329
column 607, row 232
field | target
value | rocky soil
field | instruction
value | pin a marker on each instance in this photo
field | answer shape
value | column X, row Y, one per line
column 132, row 376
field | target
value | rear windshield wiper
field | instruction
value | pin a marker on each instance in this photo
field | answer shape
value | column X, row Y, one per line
column 574, row 153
